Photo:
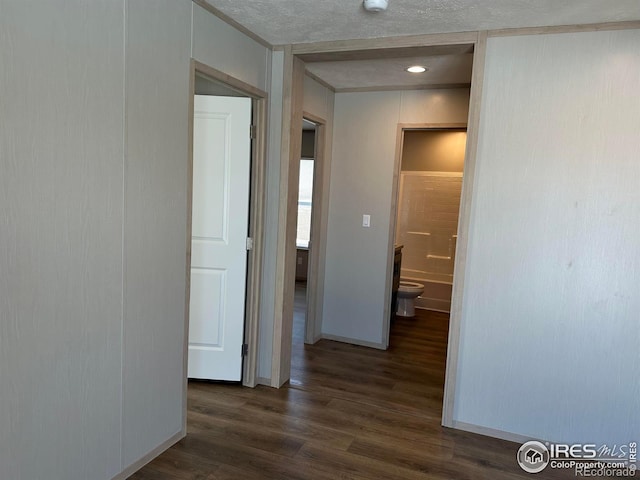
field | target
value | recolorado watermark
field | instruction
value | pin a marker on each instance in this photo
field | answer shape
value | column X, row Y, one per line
column 584, row 459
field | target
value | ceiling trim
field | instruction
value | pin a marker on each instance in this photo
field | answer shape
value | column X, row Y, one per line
column 340, row 47
column 391, row 88
column 378, row 54
column 238, row 26
column 384, row 43
column 588, row 27
column 316, row 78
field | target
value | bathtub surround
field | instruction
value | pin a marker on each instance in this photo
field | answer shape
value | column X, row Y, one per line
column 427, row 226
column 428, row 223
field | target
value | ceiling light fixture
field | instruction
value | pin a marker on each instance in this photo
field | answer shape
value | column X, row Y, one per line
column 375, row 5
column 416, row 69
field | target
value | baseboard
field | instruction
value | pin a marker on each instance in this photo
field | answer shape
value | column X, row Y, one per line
column 490, row 432
column 434, row 304
column 282, row 382
column 263, row 381
column 354, row 341
column 316, row 339
column 135, row 466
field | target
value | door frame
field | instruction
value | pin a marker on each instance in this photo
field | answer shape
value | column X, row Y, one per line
column 365, row 48
column 395, row 200
column 312, row 326
column 294, row 56
column 256, row 216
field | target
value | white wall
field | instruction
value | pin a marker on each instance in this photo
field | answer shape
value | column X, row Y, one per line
column 362, row 170
column 549, row 340
column 93, row 162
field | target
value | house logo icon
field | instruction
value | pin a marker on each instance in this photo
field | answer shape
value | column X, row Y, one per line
column 533, row 457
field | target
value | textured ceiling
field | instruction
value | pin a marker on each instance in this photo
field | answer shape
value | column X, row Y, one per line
column 390, row 72
column 282, row 22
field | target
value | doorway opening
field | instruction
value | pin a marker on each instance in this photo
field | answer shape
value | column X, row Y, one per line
column 221, row 170
column 225, row 225
column 419, row 103
column 309, row 189
column 429, row 191
column 303, row 238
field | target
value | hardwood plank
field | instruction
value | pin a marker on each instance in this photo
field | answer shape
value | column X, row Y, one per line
column 245, row 459
column 349, row 412
column 345, row 462
column 261, row 417
column 270, row 440
column 179, row 466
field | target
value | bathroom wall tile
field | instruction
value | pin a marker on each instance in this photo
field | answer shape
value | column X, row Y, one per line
column 428, row 222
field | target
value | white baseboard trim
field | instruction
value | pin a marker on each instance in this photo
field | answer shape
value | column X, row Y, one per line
column 354, row 341
column 135, row 466
column 490, row 432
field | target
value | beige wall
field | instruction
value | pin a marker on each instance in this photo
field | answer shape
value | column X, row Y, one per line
column 434, row 150
column 549, row 333
column 154, row 222
column 61, row 224
column 362, row 178
column 94, row 212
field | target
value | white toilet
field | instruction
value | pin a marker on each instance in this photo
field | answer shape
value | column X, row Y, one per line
column 407, row 293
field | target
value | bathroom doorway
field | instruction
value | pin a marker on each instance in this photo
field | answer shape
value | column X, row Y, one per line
column 430, row 176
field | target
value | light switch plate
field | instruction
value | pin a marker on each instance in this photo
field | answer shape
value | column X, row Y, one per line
column 366, row 221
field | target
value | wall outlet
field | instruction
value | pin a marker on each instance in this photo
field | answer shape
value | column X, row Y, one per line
column 366, row 221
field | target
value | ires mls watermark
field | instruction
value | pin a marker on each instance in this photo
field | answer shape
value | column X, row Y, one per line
column 586, row 460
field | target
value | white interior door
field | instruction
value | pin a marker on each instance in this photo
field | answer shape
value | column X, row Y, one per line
column 220, row 215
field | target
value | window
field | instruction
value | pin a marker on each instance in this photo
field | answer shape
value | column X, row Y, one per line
column 305, row 194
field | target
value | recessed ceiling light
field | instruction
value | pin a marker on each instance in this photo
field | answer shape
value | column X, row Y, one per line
column 416, row 69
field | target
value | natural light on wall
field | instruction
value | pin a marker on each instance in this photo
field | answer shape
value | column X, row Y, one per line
column 304, row 203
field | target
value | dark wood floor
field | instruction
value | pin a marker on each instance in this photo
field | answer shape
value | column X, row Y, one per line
column 348, row 413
